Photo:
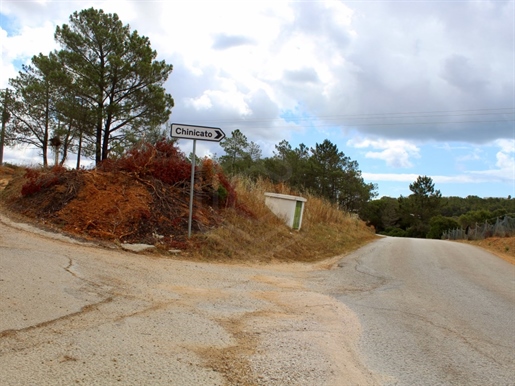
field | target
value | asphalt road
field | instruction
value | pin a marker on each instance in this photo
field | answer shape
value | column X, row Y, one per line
column 432, row 312
column 73, row 313
column 397, row 312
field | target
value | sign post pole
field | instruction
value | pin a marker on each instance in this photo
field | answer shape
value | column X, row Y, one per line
column 192, row 186
column 213, row 134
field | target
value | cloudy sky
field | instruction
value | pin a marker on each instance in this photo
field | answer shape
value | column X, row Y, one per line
column 405, row 88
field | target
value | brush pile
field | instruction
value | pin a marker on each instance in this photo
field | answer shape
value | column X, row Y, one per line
column 142, row 197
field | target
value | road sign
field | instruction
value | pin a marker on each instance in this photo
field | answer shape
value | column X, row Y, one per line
column 202, row 133
column 214, row 134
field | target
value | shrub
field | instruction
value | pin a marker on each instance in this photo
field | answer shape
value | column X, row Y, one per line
column 163, row 161
column 439, row 224
column 38, row 180
column 395, row 232
column 33, row 184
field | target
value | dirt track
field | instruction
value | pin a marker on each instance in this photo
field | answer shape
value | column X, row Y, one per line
column 77, row 313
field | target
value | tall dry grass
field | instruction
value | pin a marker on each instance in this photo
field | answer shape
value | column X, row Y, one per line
column 326, row 231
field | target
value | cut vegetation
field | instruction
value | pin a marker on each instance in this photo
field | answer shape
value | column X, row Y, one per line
column 144, row 198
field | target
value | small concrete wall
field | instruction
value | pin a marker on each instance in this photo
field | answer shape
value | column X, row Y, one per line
column 289, row 208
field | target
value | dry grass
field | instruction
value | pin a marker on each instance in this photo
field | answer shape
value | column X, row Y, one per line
column 504, row 247
column 326, row 231
column 7, row 173
column 262, row 237
column 248, row 233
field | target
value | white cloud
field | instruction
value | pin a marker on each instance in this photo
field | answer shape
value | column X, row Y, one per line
column 19, row 49
column 504, row 172
column 475, row 154
column 396, row 153
column 322, row 55
column 233, row 101
column 505, row 164
column 383, row 70
column 23, row 155
column 507, row 146
column 456, row 179
column 505, row 161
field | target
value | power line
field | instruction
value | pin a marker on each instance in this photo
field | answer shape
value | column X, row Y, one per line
column 350, row 119
column 427, row 123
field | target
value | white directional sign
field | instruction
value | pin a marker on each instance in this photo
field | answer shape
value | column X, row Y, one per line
column 214, row 134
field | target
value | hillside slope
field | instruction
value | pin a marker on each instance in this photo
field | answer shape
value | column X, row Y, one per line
column 230, row 219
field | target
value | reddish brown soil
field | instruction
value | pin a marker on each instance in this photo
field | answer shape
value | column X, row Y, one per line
column 113, row 206
column 123, row 207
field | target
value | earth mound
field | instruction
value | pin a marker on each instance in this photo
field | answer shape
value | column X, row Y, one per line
column 140, row 198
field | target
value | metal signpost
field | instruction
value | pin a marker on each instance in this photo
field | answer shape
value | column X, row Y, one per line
column 213, row 134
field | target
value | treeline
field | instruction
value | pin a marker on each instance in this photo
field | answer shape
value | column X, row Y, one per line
column 325, row 171
column 322, row 170
column 425, row 213
column 97, row 95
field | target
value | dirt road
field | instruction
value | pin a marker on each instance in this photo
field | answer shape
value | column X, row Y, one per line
column 73, row 313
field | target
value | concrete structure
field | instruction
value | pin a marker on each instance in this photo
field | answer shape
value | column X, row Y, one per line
column 289, row 208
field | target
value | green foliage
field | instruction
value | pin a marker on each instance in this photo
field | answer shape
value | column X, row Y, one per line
column 289, row 165
column 418, row 229
column 456, row 206
column 240, row 154
column 327, row 169
column 419, row 207
column 425, row 201
column 99, row 94
column 470, row 219
column 34, row 109
column 222, row 193
column 322, row 170
column 426, row 214
column 394, row 232
column 382, row 214
column 116, row 75
column 337, row 178
column 439, row 224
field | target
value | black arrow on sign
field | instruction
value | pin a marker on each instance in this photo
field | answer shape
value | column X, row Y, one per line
column 219, row 134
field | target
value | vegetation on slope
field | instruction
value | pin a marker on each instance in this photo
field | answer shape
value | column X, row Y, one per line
column 326, row 230
column 425, row 213
column 143, row 197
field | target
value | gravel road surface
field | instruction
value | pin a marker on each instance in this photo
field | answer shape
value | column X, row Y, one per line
column 73, row 313
column 433, row 312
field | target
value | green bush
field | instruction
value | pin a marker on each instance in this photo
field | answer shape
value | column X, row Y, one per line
column 394, row 232
column 439, row 224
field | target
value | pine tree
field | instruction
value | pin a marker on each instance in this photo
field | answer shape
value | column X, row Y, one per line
column 116, row 75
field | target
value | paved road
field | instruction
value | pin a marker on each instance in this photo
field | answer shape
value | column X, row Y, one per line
column 78, row 314
column 433, row 312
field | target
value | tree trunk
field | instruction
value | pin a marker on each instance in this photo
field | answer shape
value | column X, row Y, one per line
column 98, row 142
column 5, row 117
column 79, row 150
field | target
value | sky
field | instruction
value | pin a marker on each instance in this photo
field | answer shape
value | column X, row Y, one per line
column 405, row 88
